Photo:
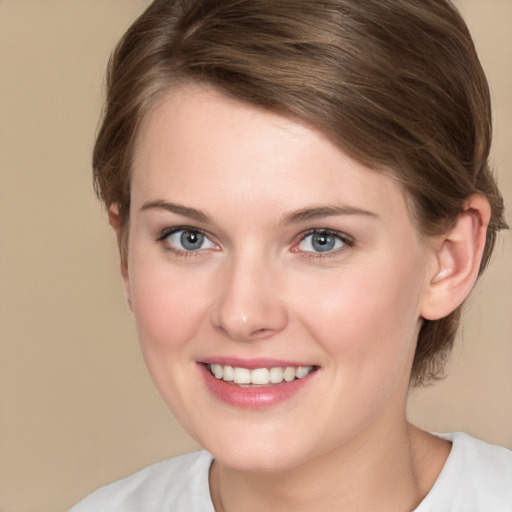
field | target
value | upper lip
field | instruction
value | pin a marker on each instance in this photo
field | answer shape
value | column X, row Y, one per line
column 253, row 363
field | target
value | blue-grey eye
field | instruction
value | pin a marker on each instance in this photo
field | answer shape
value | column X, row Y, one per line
column 188, row 240
column 321, row 241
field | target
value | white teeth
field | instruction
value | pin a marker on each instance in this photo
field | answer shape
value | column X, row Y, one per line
column 276, row 375
column 259, row 376
column 302, row 371
column 228, row 373
column 289, row 374
column 241, row 375
column 217, row 371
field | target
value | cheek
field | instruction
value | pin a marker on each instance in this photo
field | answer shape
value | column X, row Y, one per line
column 368, row 319
column 167, row 306
column 169, row 309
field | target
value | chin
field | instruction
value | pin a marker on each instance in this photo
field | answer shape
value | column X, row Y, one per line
column 248, row 461
column 258, row 453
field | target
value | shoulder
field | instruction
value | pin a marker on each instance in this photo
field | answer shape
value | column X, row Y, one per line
column 180, row 483
column 477, row 477
column 481, row 463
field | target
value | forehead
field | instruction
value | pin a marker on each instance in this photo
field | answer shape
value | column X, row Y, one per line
column 198, row 145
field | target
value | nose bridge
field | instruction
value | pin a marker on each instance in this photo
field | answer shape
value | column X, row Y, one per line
column 248, row 304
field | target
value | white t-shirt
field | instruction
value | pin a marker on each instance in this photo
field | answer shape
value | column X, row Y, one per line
column 477, row 477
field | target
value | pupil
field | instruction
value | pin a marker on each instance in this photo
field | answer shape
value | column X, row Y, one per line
column 191, row 240
column 323, row 242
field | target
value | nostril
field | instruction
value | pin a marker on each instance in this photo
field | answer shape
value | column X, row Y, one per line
column 246, row 334
column 241, row 321
column 260, row 333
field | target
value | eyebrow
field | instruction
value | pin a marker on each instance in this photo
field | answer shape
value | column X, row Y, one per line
column 184, row 211
column 295, row 217
column 320, row 212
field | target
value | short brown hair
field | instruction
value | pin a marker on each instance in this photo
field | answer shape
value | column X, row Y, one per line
column 396, row 84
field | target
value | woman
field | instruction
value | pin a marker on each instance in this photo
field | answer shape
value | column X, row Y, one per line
column 302, row 200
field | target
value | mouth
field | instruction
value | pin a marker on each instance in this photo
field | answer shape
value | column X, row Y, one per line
column 256, row 383
column 258, row 376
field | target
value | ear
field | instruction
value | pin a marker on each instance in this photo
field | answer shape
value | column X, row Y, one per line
column 114, row 220
column 456, row 260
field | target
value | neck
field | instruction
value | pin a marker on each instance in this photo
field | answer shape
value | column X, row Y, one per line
column 392, row 473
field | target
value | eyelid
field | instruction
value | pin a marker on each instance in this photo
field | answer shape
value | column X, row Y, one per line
column 347, row 240
column 166, row 232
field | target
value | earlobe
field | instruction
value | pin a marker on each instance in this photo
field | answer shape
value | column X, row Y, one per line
column 457, row 255
column 114, row 220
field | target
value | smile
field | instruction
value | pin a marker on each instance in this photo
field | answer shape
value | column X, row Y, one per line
column 258, row 376
column 256, row 384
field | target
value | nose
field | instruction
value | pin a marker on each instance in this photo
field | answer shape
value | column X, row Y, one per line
column 249, row 305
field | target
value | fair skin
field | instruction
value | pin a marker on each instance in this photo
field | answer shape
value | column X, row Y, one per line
column 254, row 242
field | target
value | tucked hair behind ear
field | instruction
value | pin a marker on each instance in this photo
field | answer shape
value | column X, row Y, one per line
column 396, row 84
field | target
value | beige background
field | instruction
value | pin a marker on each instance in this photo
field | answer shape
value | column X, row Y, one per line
column 77, row 407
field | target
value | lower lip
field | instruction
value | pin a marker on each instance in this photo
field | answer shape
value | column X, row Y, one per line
column 252, row 397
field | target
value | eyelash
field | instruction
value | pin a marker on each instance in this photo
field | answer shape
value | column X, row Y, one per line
column 167, row 232
column 347, row 241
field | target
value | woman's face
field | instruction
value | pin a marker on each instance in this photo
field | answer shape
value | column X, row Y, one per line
column 260, row 252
